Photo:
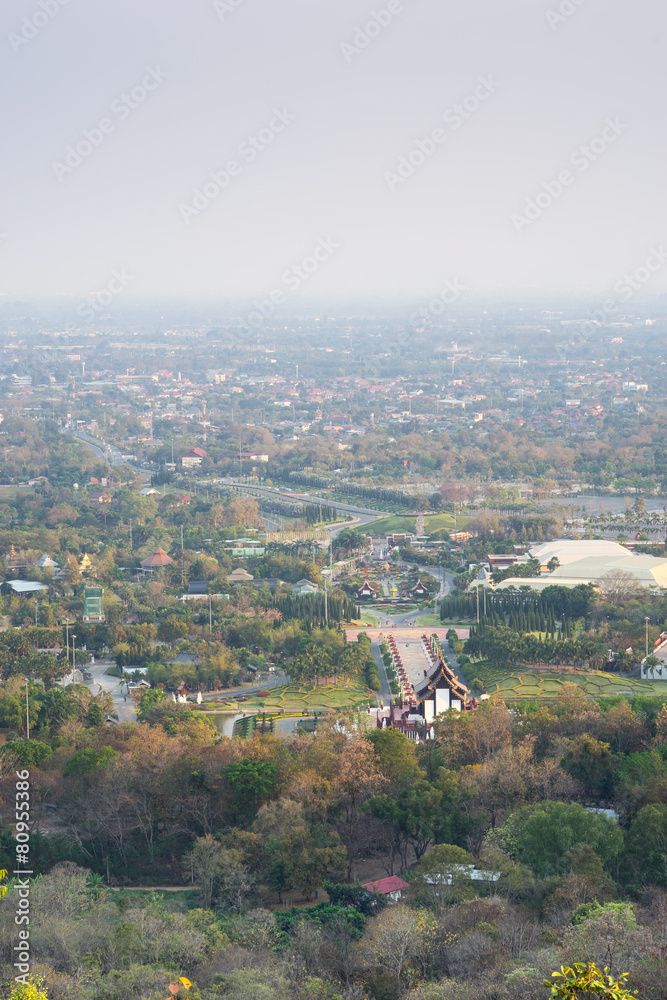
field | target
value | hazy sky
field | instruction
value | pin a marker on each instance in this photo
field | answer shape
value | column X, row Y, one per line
column 347, row 114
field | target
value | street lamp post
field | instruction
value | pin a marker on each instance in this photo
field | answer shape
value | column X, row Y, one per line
column 73, row 660
column 27, row 711
column 646, row 622
column 67, row 645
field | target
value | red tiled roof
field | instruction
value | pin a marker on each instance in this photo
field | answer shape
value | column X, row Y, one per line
column 387, row 885
column 159, row 558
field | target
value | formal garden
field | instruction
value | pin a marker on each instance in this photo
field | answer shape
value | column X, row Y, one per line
column 526, row 683
column 295, row 699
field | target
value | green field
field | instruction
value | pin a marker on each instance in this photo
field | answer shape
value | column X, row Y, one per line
column 365, row 619
column 399, row 524
column 445, row 522
column 10, row 492
column 294, row 699
column 429, row 621
column 389, row 526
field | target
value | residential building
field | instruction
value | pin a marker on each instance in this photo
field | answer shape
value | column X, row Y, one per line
column 240, row 576
column 193, row 458
column 391, row 888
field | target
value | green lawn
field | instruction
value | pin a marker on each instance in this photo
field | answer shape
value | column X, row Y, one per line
column 399, row 524
column 389, row 526
column 429, row 621
column 444, row 522
column 366, row 619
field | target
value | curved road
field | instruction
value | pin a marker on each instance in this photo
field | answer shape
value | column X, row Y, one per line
column 374, row 515
column 123, row 706
column 359, row 515
column 113, row 455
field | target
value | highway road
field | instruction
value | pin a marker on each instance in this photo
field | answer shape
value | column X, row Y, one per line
column 365, row 514
column 358, row 515
column 446, row 579
column 112, row 454
column 385, row 691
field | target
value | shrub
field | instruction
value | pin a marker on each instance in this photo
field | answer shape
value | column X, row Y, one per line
column 29, row 991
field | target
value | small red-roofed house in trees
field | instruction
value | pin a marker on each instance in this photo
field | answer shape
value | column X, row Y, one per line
column 392, row 888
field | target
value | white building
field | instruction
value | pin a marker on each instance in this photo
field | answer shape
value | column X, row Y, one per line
column 590, row 562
